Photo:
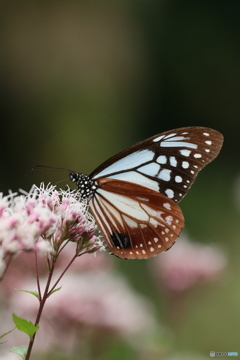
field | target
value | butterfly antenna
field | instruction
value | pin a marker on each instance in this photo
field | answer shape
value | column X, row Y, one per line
column 45, row 167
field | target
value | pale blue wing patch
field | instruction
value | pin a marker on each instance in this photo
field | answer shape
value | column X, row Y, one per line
column 151, row 169
column 128, row 162
column 136, row 178
column 178, row 144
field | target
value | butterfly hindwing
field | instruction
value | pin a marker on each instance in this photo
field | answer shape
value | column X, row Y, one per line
column 167, row 163
column 135, row 221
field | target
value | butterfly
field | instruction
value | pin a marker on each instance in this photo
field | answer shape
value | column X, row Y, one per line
column 133, row 195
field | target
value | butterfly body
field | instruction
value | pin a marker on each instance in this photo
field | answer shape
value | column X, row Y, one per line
column 86, row 186
column 133, row 195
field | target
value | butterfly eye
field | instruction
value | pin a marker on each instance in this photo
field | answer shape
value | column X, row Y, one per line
column 134, row 194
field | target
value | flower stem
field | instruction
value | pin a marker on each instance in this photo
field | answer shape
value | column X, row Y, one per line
column 64, row 271
column 47, row 291
column 7, row 261
column 37, row 275
column 70, row 263
column 41, row 306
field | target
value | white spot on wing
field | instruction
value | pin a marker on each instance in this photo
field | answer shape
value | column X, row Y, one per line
column 197, row 156
column 169, row 193
column 178, row 179
column 151, row 169
column 165, row 175
column 167, row 206
column 185, row 152
column 170, row 135
column 173, row 161
column 158, row 138
column 208, row 142
column 175, row 138
column 162, row 159
column 206, row 134
column 169, row 219
column 185, row 164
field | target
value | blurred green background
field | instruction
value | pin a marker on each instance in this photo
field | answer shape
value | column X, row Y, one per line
column 82, row 80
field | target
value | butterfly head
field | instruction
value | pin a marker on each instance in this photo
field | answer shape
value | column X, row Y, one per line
column 86, row 186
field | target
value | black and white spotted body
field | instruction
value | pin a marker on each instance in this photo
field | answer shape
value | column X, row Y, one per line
column 86, row 186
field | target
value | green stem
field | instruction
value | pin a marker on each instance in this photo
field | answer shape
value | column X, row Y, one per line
column 70, row 263
column 37, row 275
column 46, row 294
column 41, row 306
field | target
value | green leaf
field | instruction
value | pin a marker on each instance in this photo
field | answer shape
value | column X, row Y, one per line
column 21, row 350
column 53, row 291
column 35, row 293
column 25, row 326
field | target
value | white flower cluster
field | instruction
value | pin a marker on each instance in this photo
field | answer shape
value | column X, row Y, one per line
column 41, row 220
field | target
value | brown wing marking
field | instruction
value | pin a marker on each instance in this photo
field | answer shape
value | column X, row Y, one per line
column 136, row 222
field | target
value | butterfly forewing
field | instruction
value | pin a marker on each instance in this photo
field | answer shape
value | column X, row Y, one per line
column 167, row 163
column 136, row 221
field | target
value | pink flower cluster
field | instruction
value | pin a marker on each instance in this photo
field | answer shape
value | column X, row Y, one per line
column 42, row 220
column 187, row 264
column 93, row 302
